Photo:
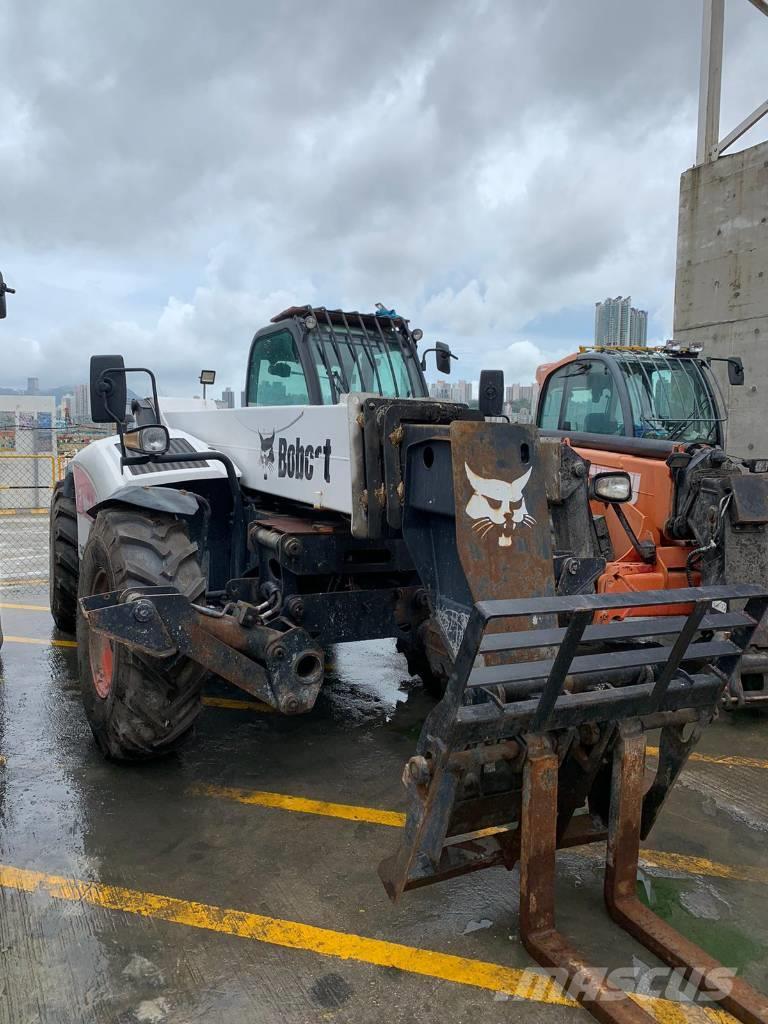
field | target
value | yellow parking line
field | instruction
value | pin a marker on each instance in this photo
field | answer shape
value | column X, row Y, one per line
column 275, row 931
column 25, row 607
column 24, row 581
column 38, row 641
column 702, row 866
column 395, row 819
column 240, row 705
column 727, row 760
column 302, row 805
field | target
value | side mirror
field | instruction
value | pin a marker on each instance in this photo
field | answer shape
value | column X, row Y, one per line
column 279, row 370
column 491, row 392
column 109, row 393
column 614, row 488
column 443, row 356
column 3, row 289
column 735, row 371
column 735, row 368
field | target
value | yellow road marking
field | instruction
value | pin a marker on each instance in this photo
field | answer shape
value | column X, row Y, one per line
column 241, row 705
column 25, row 607
column 702, row 866
column 23, row 581
column 303, row 805
column 275, row 931
column 727, row 760
column 23, row 511
column 395, row 819
column 38, row 641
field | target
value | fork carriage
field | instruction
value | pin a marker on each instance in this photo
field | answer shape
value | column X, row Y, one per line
column 554, row 757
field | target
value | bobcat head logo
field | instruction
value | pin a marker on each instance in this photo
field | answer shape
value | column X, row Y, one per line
column 498, row 505
column 267, row 453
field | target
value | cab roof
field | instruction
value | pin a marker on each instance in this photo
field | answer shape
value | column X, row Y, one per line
column 670, row 349
column 340, row 317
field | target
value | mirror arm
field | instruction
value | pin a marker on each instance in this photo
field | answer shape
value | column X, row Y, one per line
column 645, row 548
column 733, row 361
column 105, row 387
column 426, row 352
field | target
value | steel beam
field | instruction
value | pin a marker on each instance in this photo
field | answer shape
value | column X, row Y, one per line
column 710, row 81
column 742, row 128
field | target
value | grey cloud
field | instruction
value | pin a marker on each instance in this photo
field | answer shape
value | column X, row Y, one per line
column 171, row 171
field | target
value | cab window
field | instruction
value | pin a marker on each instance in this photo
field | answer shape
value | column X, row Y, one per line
column 591, row 403
column 582, row 398
column 275, row 373
column 549, row 419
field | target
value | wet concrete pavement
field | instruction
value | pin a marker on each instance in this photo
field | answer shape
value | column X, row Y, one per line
column 164, row 846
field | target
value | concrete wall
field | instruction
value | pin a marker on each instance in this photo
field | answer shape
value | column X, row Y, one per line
column 721, row 288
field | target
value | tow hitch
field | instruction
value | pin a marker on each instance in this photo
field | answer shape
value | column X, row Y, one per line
column 281, row 668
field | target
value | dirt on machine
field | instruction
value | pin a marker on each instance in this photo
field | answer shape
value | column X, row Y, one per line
column 696, row 515
column 343, row 503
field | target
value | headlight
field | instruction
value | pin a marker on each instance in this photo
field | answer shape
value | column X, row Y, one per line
column 153, row 440
column 418, row 334
column 611, row 487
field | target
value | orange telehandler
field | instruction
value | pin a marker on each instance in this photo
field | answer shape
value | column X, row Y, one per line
column 696, row 515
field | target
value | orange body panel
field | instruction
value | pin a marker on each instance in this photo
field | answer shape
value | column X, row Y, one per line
column 647, row 513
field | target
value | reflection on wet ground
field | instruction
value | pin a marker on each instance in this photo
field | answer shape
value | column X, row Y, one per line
column 170, row 828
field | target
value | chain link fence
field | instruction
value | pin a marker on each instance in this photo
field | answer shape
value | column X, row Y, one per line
column 32, row 459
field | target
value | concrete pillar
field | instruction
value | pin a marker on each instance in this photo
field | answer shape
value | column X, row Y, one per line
column 721, row 287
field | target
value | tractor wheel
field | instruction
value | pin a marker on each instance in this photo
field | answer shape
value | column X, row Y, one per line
column 138, row 707
column 428, row 658
column 64, row 567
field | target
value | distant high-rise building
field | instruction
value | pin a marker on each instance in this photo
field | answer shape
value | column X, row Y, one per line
column 462, row 391
column 638, row 327
column 228, row 398
column 617, row 322
column 33, row 385
column 441, row 390
column 520, row 402
column 65, row 411
column 81, row 407
column 445, row 391
column 243, row 402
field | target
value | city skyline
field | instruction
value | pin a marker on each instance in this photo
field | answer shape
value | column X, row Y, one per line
column 618, row 322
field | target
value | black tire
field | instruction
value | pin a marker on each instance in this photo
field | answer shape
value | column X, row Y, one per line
column 138, row 707
column 63, row 559
column 428, row 658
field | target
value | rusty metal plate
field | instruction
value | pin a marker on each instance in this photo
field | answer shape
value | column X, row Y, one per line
column 502, row 519
column 749, row 505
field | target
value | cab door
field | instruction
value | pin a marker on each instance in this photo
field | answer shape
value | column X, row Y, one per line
column 276, row 372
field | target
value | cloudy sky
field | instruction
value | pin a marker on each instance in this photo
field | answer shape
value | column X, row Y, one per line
column 172, row 174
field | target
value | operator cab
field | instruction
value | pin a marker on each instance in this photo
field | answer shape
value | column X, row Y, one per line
column 661, row 396
column 311, row 356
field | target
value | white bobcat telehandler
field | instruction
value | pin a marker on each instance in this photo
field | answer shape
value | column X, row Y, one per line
column 345, row 504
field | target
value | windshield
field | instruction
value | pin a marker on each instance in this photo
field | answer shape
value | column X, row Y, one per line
column 352, row 360
column 671, row 398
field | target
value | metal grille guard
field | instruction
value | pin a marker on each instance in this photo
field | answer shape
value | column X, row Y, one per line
column 515, row 749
